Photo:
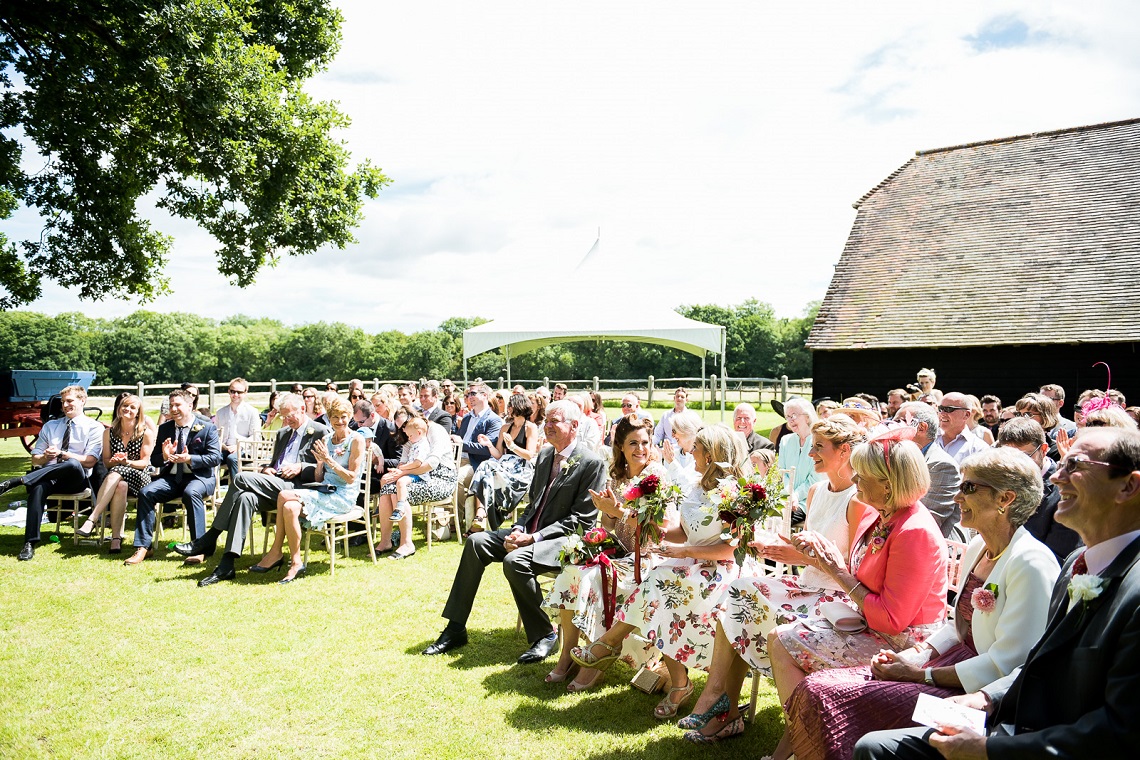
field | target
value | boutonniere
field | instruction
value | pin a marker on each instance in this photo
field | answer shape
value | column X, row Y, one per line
column 985, row 599
column 195, row 429
column 309, row 430
column 571, row 463
column 879, row 537
column 1085, row 588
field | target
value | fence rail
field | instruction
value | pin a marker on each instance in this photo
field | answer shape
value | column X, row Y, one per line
column 701, row 390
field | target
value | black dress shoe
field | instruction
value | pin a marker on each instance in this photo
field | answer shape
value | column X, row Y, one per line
column 217, row 577
column 27, row 552
column 447, row 641
column 9, row 484
column 539, row 650
column 193, row 548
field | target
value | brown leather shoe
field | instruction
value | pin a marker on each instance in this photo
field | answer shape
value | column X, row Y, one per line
column 194, row 559
column 139, row 555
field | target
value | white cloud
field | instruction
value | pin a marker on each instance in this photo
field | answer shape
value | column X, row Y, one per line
column 718, row 147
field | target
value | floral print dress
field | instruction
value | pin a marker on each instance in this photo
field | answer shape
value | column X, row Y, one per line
column 676, row 606
column 753, row 606
column 578, row 588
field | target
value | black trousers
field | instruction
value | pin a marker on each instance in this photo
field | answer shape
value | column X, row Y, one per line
column 58, row 477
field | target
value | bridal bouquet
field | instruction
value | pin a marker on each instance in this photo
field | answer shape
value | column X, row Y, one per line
column 743, row 504
column 651, row 496
column 582, row 548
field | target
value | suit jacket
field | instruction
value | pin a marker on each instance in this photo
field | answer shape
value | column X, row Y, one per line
column 489, row 424
column 1024, row 575
column 944, row 480
column 569, row 504
column 310, row 434
column 442, row 418
column 201, row 441
column 384, row 436
column 1078, row 694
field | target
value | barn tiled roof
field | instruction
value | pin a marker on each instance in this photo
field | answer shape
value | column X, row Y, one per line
column 1029, row 239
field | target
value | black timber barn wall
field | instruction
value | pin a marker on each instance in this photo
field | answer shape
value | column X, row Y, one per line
column 1006, row 371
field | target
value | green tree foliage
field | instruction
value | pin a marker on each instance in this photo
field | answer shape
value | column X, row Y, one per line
column 166, row 348
column 198, row 104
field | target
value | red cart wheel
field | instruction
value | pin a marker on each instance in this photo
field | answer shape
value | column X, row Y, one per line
column 29, row 441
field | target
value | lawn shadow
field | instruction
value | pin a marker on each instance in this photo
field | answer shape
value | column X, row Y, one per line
column 485, row 647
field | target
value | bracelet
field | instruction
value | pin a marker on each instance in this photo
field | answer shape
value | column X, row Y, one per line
column 851, row 593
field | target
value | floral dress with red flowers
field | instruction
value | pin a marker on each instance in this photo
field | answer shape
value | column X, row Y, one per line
column 676, row 606
column 578, row 588
column 753, row 606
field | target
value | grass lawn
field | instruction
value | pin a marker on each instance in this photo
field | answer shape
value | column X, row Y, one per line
column 98, row 660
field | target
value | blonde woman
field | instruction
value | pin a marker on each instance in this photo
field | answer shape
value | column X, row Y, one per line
column 973, row 422
column 127, row 445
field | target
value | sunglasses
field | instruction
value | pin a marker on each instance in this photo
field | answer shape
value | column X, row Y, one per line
column 1028, row 414
column 309, row 398
column 237, row 392
column 952, row 409
column 969, row 487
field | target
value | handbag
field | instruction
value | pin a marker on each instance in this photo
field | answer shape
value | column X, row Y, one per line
column 650, row 677
column 320, row 487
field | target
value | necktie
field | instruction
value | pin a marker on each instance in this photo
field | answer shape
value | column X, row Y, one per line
column 281, row 456
column 180, row 434
column 555, row 470
column 1080, row 566
column 66, row 441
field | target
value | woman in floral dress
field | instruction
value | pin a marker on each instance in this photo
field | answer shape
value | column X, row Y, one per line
column 577, row 592
column 675, row 607
column 752, row 606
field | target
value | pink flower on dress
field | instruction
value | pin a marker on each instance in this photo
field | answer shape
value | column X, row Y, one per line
column 983, row 600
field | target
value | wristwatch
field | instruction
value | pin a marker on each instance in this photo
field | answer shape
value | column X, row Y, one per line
column 929, row 677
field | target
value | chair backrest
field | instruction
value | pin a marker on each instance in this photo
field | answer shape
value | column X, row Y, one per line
column 955, row 550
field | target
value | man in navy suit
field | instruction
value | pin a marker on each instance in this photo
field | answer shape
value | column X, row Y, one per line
column 481, row 420
column 1078, row 694
column 186, row 453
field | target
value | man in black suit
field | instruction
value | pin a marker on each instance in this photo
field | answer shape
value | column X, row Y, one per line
column 292, row 464
column 433, row 410
column 1078, row 694
column 187, row 450
column 559, row 504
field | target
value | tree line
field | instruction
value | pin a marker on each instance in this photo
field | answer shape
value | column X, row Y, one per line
column 150, row 347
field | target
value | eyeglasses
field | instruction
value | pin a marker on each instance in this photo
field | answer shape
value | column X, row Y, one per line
column 626, row 405
column 793, row 416
column 1073, row 464
column 1028, row 414
column 307, row 397
column 469, row 394
column 951, row 409
column 237, row 392
column 356, row 395
column 969, row 487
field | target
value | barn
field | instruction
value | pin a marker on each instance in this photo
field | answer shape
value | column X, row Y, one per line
column 1002, row 265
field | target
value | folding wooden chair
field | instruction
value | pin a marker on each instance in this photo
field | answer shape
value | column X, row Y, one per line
column 451, row 503
column 337, row 529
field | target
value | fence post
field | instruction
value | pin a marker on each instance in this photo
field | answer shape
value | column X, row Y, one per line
column 502, row 382
column 712, row 390
column 784, row 388
column 596, row 384
column 272, row 385
column 375, row 385
column 649, row 403
column 141, row 392
column 546, row 381
column 211, row 396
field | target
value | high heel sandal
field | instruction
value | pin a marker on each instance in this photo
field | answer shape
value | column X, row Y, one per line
column 116, row 546
column 585, row 657
column 734, row 727
column 697, row 721
column 478, row 525
column 667, row 708
column 556, row 677
column 274, row 566
column 86, row 533
column 574, row 687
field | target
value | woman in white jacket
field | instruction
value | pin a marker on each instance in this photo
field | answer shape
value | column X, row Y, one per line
column 1000, row 612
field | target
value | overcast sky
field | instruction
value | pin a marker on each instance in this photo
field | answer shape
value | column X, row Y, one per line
column 718, row 146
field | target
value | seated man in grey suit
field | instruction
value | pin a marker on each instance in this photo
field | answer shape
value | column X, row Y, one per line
column 944, row 472
column 559, row 503
column 292, row 464
column 1078, row 694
